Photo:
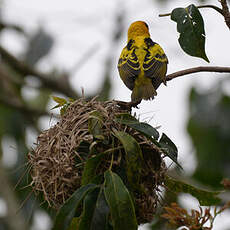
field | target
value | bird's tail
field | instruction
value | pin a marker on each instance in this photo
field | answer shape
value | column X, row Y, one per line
column 143, row 91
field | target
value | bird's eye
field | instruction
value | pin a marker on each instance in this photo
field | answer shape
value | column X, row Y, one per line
column 146, row 25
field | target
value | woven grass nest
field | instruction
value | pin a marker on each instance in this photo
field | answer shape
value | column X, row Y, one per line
column 85, row 130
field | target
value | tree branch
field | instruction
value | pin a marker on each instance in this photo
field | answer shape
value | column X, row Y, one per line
column 129, row 105
column 47, row 80
column 219, row 10
column 26, row 110
column 226, row 12
column 12, row 27
column 217, row 69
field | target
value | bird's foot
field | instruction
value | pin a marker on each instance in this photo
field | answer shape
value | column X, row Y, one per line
column 128, row 105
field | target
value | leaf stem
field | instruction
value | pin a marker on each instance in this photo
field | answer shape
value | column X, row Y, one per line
column 164, row 15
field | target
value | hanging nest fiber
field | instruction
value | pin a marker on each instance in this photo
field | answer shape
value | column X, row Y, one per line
column 86, row 129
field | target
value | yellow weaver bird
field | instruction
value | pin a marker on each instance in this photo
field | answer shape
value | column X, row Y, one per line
column 142, row 64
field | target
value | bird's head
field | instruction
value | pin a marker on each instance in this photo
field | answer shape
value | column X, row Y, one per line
column 138, row 28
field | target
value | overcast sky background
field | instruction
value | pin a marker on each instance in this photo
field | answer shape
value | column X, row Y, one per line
column 77, row 26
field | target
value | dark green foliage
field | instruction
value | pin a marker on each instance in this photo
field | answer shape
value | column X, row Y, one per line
column 190, row 25
column 169, row 148
column 120, row 203
column 209, row 128
column 95, row 211
column 142, row 127
column 204, row 197
column 134, row 158
column 166, row 145
column 91, row 165
column 67, row 212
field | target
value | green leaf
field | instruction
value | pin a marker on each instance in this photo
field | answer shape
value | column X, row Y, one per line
column 67, row 211
column 120, row 203
column 205, row 198
column 60, row 101
column 63, row 103
column 190, row 25
column 89, row 171
column 142, row 127
column 134, row 157
column 169, row 148
column 95, row 124
column 95, row 211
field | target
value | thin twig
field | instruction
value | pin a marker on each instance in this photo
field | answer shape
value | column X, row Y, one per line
column 219, row 10
column 164, row 15
column 217, row 69
column 226, row 12
column 47, row 80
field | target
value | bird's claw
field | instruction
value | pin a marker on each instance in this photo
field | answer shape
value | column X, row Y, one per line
column 128, row 105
